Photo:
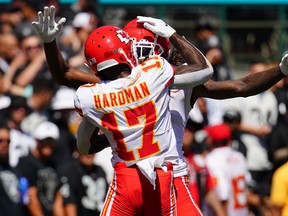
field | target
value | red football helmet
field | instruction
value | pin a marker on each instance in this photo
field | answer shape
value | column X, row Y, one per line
column 146, row 42
column 108, row 46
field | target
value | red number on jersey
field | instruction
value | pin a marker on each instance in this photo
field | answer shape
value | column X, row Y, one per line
column 149, row 146
column 239, row 192
column 148, row 65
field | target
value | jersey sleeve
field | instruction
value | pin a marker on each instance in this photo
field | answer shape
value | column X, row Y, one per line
column 192, row 79
column 159, row 67
column 83, row 99
column 77, row 104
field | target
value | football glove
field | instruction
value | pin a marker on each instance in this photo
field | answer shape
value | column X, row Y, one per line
column 284, row 65
column 156, row 26
column 46, row 26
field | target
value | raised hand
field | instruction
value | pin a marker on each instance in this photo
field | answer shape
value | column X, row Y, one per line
column 284, row 65
column 157, row 26
column 46, row 26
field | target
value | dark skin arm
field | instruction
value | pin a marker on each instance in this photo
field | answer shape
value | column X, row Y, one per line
column 66, row 76
column 60, row 70
column 195, row 60
column 98, row 142
column 249, row 85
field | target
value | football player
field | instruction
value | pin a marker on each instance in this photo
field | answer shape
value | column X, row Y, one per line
column 130, row 105
column 242, row 87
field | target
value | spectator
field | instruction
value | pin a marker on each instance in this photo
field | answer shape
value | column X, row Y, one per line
column 5, row 100
column 84, row 186
column 40, row 172
column 228, row 169
column 62, row 110
column 39, row 103
column 279, row 139
column 10, row 17
column 21, row 144
column 28, row 65
column 279, row 195
column 33, row 66
column 209, row 43
column 201, row 184
column 280, row 92
column 259, row 116
column 232, row 118
column 8, row 49
column 29, row 10
column 73, row 42
column 80, row 6
column 9, row 193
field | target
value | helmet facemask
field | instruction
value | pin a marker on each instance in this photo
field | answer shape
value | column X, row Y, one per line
column 146, row 49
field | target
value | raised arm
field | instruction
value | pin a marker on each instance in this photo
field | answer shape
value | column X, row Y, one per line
column 251, row 84
column 60, row 70
column 48, row 30
column 196, row 61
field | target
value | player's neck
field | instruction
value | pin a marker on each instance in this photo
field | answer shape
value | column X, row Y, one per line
column 123, row 74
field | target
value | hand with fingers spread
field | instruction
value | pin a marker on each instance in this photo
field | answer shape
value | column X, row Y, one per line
column 157, row 26
column 46, row 26
column 284, row 65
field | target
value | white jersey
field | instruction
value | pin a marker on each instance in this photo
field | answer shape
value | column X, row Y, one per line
column 230, row 171
column 134, row 115
column 180, row 107
column 21, row 144
column 256, row 111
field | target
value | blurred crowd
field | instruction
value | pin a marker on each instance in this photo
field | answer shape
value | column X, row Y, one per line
column 38, row 155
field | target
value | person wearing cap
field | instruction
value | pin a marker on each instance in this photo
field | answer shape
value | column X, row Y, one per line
column 228, row 169
column 64, row 116
column 201, row 183
column 233, row 118
column 259, row 116
column 38, row 168
column 13, row 115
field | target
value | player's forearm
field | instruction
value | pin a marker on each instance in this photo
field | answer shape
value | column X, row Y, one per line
column 196, row 63
column 57, row 65
column 60, row 70
column 249, row 85
column 34, row 205
column 89, row 141
column 255, row 83
column 77, row 77
column 98, row 143
column 191, row 54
